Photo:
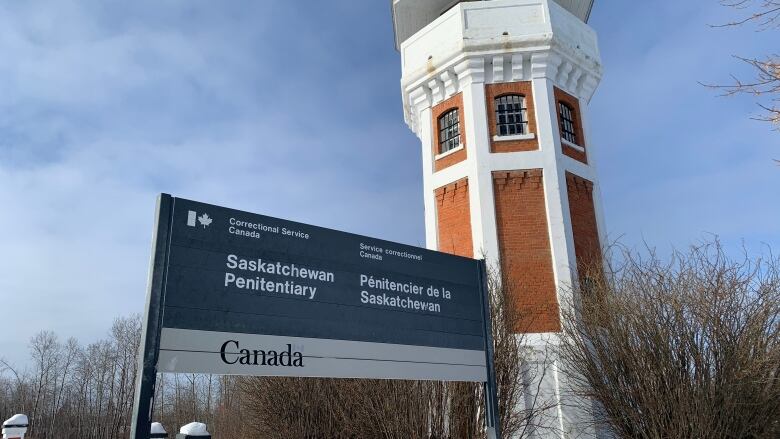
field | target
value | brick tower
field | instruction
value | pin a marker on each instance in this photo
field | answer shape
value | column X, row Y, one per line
column 497, row 92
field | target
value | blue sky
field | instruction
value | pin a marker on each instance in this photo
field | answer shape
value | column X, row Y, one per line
column 292, row 109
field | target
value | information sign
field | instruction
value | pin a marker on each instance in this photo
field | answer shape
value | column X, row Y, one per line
column 237, row 293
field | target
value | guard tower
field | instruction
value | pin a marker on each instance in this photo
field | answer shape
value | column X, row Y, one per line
column 497, row 92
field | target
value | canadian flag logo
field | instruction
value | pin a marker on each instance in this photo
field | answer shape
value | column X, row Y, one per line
column 193, row 219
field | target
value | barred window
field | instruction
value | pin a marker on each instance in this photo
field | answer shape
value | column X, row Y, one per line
column 449, row 131
column 567, row 123
column 511, row 115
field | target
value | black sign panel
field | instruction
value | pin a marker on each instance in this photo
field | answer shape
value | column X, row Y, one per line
column 342, row 304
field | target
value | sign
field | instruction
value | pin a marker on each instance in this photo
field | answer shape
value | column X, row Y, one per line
column 233, row 292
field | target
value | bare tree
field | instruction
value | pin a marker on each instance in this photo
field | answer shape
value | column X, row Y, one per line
column 75, row 391
column 765, row 14
column 228, row 411
column 13, row 391
column 45, row 348
column 688, row 348
column 69, row 353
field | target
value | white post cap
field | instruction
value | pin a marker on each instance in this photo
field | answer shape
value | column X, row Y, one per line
column 16, row 421
column 157, row 431
column 194, row 429
column 157, row 428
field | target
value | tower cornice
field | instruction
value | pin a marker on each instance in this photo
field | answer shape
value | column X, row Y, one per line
column 426, row 90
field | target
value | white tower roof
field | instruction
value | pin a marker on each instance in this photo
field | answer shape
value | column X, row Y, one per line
column 409, row 16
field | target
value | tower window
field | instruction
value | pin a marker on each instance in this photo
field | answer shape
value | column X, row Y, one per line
column 511, row 115
column 566, row 114
column 449, row 131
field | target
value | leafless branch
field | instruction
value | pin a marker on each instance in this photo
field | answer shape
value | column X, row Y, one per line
column 687, row 347
column 764, row 13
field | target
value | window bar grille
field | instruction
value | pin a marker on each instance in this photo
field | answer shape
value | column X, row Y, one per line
column 511, row 115
column 449, row 131
column 567, row 123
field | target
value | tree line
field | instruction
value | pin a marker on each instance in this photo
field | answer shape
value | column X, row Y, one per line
column 70, row 390
column 73, row 390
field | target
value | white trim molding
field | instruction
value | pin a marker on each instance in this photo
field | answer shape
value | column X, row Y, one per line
column 529, row 136
column 450, row 152
column 572, row 145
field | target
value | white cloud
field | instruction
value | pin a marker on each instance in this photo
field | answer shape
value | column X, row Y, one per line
column 101, row 112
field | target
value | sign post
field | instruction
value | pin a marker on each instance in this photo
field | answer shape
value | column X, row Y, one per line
column 491, row 391
column 236, row 293
column 150, row 336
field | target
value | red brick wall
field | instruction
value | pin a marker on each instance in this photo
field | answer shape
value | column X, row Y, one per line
column 587, row 247
column 454, row 218
column 437, row 111
column 492, row 91
column 524, row 242
column 574, row 103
